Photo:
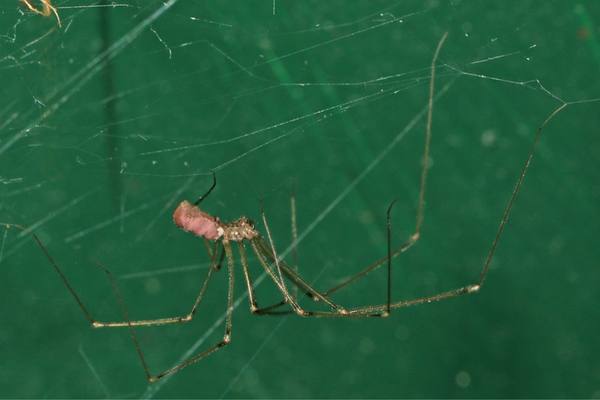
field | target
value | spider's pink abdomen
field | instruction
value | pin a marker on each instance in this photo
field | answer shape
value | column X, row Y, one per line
column 191, row 219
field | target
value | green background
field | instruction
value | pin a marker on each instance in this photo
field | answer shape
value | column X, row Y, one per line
column 108, row 122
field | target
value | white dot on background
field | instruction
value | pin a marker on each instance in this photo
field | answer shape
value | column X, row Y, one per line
column 402, row 332
column 463, row 379
column 488, row 138
column 152, row 286
column 366, row 346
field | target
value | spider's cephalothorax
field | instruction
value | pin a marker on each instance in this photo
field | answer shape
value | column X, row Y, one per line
column 238, row 230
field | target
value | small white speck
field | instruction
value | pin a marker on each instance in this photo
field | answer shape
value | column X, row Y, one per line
column 402, row 333
column 488, row 138
column 366, row 346
column 463, row 379
column 152, row 286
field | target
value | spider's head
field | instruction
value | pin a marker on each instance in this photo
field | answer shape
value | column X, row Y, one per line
column 246, row 228
column 240, row 229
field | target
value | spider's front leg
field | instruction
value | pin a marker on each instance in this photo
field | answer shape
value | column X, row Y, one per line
column 147, row 322
column 199, row 356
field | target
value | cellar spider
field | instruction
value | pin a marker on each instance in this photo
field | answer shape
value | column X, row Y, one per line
column 47, row 9
column 219, row 237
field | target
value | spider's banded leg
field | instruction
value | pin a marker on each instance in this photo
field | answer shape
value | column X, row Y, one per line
column 288, row 271
column 414, row 237
column 194, row 359
column 267, row 252
column 273, row 309
column 355, row 313
column 248, row 279
column 254, row 309
column 371, row 267
column 258, row 247
column 468, row 289
column 228, row 325
column 86, row 312
column 265, row 256
column 282, row 285
column 170, row 320
column 360, row 311
column 297, row 309
column 262, row 252
column 210, row 251
column 261, row 258
column 298, row 281
column 54, row 264
column 270, row 310
column 473, row 288
column 215, row 266
column 294, row 228
column 380, row 310
column 389, row 256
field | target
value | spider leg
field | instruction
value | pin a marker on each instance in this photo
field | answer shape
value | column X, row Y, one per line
column 98, row 324
column 337, row 311
column 194, row 359
column 254, row 309
column 381, row 310
column 294, row 228
column 360, row 312
column 282, row 285
column 475, row 287
column 169, row 320
column 264, row 253
column 414, row 237
column 272, row 309
column 248, row 279
column 288, row 299
column 210, row 250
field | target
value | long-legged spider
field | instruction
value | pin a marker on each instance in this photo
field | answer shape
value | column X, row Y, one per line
column 219, row 236
column 46, row 11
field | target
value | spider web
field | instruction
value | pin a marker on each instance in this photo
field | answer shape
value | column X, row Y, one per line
column 109, row 121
